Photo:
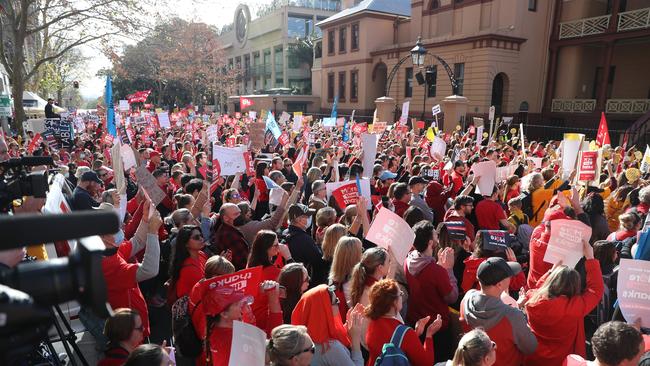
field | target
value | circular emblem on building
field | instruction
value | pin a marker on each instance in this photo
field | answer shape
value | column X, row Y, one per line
column 242, row 24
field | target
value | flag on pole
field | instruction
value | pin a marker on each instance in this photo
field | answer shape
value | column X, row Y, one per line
column 602, row 137
column 334, row 108
column 245, row 103
column 110, row 113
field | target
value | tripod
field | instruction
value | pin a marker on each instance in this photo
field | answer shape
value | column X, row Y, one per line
column 66, row 336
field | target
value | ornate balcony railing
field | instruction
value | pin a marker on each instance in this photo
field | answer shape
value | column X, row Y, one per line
column 573, row 105
column 634, row 19
column 627, row 106
column 584, row 27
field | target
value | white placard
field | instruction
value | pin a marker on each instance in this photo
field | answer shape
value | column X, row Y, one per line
column 163, row 120
column 487, row 170
column 275, row 196
column 212, row 133
column 565, row 243
column 633, row 290
column 436, row 109
column 438, row 148
column 230, row 160
column 123, row 105
column 128, row 158
column 369, row 146
column 248, row 345
column 252, row 115
column 479, row 135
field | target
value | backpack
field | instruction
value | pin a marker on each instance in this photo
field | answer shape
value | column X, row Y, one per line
column 391, row 354
column 526, row 204
column 187, row 342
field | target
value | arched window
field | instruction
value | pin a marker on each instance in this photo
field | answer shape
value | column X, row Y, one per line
column 435, row 4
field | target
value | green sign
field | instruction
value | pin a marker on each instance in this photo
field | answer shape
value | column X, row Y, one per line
column 5, row 106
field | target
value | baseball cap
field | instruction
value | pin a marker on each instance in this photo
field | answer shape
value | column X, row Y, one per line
column 387, row 174
column 90, row 177
column 416, row 180
column 217, row 299
column 296, row 210
column 80, row 171
column 496, row 269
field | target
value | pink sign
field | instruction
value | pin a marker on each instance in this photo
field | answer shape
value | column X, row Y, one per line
column 388, row 230
column 634, row 290
column 566, row 240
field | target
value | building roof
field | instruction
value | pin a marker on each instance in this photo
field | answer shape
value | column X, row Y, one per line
column 394, row 7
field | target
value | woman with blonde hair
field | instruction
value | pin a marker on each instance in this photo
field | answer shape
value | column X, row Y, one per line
column 556, row 310
column 629, row 224
column 346, row 255
column 474, row 349
column 290, row 345
column 375, row 265
column 331, row 237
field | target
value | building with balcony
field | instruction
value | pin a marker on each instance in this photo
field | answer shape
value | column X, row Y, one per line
column 495, row 49
column 598, row 50
column 261, row 48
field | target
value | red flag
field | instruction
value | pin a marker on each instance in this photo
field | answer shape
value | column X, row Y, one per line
column 138, row 96
column 602, row 138
column 619, row 168
column 245, row 103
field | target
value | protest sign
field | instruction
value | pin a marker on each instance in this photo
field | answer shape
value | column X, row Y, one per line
column 565, row 243
column 645, row 161
column 163, row 120
column 369, row 147
column 588, row 166
column 257, row 135
column 571, row 145
column 297, row 121
column 275, row 196
column 634, row 290
column 503, row 172
column 329, row 122
column 363, row 182
column 127, row 157
column 252, row 115
column 284, row 118
column 537, row 162
column 147, row 181
column 300, row 161
column 359, row 128
column 456, row 230
column 124, row 105
column 388, row 230
column 247, row 280
column 405, row 112
column 272, row 126
column 340, row 122
column 435, row 109
column 496, row 240
column 213, row 133
column 379, row 127
column 487, row 170
column 438, row 148
column 36, row 142
column 248, row 345
column 479, row 135
column 284, row 139
column 228, row 161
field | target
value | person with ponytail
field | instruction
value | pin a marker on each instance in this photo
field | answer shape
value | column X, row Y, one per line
column 375, row 265
column 290, row 345
column 474, row 349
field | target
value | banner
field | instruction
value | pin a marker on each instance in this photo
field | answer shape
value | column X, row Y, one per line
column 588, row 166
column 571, row 145
column 138, row 96
column 633, row 290
column 228, row 161
column 245, row 103
column 369, row 147
column 388, row 230
column 250, row 345
column 363, row 182
column 565, row 243
column 496, row 240
column 487, row 170
column 247, row 280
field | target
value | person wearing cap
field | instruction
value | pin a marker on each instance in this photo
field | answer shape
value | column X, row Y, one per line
column 154, row 161
column 558, row 307
column 301, row 244
column 87, row 188
column 432, row 285
column 386, row 178
column 417, row 185
column 225, row 305
column 506, row 325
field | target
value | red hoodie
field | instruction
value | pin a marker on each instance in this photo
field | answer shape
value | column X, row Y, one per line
column 559, row 323
column 471, row 282
column 538, row 243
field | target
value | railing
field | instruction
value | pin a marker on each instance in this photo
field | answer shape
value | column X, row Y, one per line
column 634, row 19
column 627, row 106
column 584, row 27
column 573, row 105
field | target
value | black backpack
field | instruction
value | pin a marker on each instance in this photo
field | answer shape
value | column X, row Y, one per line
column 187, row 341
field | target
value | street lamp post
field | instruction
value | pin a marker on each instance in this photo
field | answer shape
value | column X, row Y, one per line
column 275, row 101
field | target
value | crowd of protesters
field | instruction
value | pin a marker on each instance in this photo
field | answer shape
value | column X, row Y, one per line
column 328, row 295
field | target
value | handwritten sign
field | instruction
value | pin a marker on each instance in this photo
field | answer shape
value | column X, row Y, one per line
column 388, row 230
column 228, row 161
column 634, row 290
column 147, row 181
column 566, row 240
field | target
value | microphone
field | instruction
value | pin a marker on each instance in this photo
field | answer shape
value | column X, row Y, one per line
column 22, row 230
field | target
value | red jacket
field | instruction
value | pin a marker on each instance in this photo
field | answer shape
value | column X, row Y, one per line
column 380, row 332
column 538, row 243
column 470, row 281
column 260, row 306
column 558, row 323
column 191, row 273
column 400, row 207
column 436, row 198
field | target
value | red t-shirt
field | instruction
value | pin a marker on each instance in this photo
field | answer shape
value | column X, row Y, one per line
column 488, row 214
column 427, row 290
column 191, row 272
column 122, row 286
column 260, row 306
column 380, row 332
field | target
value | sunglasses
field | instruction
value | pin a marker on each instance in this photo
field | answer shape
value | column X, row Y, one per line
column 311, row 349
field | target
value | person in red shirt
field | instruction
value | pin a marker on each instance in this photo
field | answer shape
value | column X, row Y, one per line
column 224, row 305
column 386, row 178
column 630, row 224
column 401, row 198
column 383, row 312
column 121, row 270
column 556, row 310
column 124, row 331
column 462, row 208
column 188, row 260
column 456, row 177
column 491, row 215
column 154, row 161
column 262, row 208
column 271, row 255
column 432, row 284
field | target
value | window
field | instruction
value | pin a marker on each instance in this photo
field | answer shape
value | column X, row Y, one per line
column 298, row 26
column 354, row 37
column 278, row 60
column 342, row 39
column 459, row 74
column 532, row 5
column 330, row 42
column 330, row 86
column 354, row 85
column 431, row 78
column 342, row 86
column 408, row 87
column 435, row 4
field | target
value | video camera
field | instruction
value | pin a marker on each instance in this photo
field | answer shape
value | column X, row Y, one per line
column 17, row 182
